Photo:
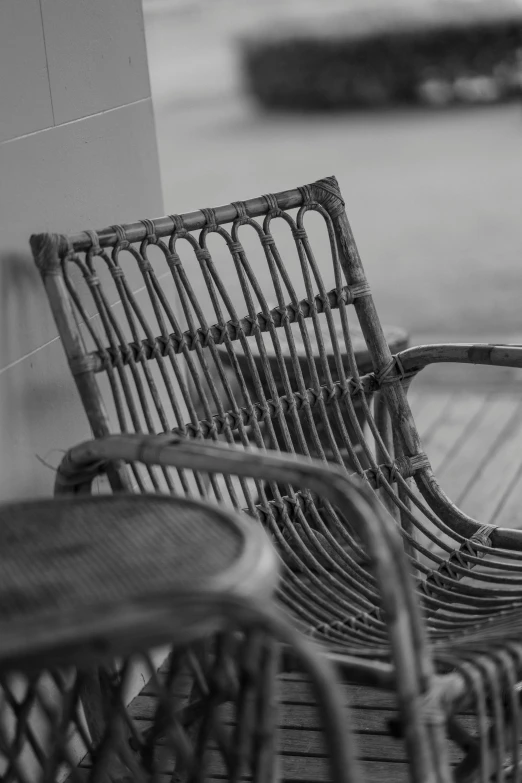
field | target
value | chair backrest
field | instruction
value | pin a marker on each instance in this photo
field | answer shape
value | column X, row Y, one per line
column 172, row 323
column 237, row 323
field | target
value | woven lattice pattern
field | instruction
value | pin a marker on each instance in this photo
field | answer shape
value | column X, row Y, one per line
column 215, row 711
column 127, row 747
column 64, row 556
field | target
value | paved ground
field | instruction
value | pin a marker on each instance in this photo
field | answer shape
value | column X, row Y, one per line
column 434, row 197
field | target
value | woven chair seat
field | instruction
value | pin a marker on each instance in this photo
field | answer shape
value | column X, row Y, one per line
column 65, row 560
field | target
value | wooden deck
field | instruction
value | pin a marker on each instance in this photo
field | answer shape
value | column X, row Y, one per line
column 301, row 749
column 474, row 441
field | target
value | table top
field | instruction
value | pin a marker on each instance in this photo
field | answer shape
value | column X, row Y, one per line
column 64, row 559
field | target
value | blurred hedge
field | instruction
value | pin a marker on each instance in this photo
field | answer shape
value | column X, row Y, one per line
column 438, row 52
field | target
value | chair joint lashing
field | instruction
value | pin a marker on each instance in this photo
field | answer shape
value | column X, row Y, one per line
column 482, row 537
column 150, row 237
column 359, row 290
column 273, row 206
column 393, row 371
column 95, row 249
column 179, row 229
column 122, row 242
column 83, row 364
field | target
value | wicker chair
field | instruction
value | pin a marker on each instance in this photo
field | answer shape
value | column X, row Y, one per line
column 166, row 314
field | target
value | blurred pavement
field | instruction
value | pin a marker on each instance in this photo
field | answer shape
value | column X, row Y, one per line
column 434, row 197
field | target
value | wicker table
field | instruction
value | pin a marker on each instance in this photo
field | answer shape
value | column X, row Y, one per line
column 88, row 585
column 396, row 337
column 68, row 566
column 94, row 583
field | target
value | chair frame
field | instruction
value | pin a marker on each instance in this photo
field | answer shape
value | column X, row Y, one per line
column 459, row 590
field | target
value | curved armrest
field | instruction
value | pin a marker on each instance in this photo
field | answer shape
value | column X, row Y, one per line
column 84, row 462
column 368, row 517
column 410, row 653
column 415, row 359
column 409, row 362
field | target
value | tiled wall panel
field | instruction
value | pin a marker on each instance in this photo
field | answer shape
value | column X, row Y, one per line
column 86, row 174
column 96, row 55
column 61, row 174
column 25, row 96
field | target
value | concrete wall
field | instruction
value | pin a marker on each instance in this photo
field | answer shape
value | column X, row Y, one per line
column 77, row 150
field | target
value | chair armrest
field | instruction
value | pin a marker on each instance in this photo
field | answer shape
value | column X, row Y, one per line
column 84, row 462
column 367, row 516
column 409, row 362
column 415, row 359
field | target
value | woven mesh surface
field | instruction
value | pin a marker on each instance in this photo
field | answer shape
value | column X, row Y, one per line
column 396, row 338
column 61, row 555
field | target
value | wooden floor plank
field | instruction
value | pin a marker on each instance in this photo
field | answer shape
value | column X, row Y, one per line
column 294, row 688
column 295, row 716
column 373, row 771
column 418, row 399
column 294, row 761
column 508, row 512
column 432, row 410
column 462, row 468
column 308, row 743
column 290, row 716
column 459, row 416
column 496, row 469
